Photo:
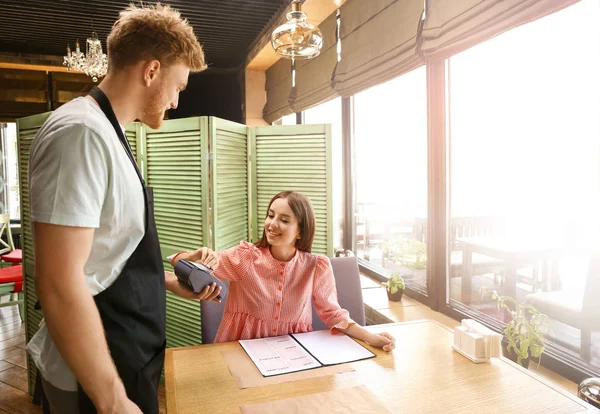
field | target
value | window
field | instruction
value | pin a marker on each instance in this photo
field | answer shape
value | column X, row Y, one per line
column 525, row 173
column 331, row 113
column 390, row 122
column 10, row 177
column 286, row 120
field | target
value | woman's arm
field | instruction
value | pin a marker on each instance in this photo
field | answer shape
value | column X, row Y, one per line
column 231, row 264
column 203, row 255
column 330, row 312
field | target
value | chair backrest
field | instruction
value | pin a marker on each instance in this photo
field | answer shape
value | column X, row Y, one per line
column 211, row 314
column 8, row 245
column 592, row 286
column 347, row 282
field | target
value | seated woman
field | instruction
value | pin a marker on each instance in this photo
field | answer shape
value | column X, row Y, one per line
column 273, row 280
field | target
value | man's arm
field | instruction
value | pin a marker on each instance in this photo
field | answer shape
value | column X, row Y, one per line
column 71, row 315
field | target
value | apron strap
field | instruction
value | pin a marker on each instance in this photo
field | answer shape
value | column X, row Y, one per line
column 106, row 107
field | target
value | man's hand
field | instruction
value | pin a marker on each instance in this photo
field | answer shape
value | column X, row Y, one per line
column 210, row 292
column 120, row 405
column 124, row 407
column 203, row 255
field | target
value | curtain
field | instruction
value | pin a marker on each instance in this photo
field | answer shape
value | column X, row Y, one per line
column 454, row 26
column 314, row 76
column 379, row 42
column 278, row 87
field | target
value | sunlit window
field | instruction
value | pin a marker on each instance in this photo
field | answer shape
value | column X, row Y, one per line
column 10, row 178
column 391, row 176
column 286, row 120
column 525, row 171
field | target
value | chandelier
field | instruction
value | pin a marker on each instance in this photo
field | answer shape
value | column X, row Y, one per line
column 297, row 39
column 93, row 63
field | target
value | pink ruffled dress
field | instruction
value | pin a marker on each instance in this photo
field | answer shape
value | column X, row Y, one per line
column 269, row 298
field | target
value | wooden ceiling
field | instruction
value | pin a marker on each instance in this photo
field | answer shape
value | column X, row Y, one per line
column 226, row 28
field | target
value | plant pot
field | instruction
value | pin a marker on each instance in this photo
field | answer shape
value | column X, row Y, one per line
column 509, row 355
column 395, row 297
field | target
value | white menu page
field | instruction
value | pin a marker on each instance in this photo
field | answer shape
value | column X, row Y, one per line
column 332, row 349
column 278, row 355
column 298, row 352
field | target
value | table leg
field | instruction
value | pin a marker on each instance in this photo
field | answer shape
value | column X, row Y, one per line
column 467, row 274
column 554, row 275
column 510, row 288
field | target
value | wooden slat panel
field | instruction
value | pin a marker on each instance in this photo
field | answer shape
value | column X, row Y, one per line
column 294, row 157
column 174, row 162
column 229, row 182
column 132, row 139
column 26, row 130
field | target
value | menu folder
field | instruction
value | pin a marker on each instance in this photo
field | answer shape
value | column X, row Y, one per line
column 298, row 352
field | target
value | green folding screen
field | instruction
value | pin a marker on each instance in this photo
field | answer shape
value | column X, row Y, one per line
column 26, row 130
column 176, row 169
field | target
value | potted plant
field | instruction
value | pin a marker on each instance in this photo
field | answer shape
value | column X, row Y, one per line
column 394, row 287
column 524, row 334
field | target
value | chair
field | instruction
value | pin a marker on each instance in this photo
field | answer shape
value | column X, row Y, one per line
column 347, row 282
column 8, row 253
column 211, row 314
column 11, row 283
column 581, row 313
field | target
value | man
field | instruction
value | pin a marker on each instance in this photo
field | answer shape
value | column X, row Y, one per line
column 99, row 274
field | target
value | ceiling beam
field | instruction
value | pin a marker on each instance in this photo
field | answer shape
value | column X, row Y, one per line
column 45, row 63
column 27, row 66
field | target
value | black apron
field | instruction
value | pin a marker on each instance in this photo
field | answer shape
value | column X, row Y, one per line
column 133, row 308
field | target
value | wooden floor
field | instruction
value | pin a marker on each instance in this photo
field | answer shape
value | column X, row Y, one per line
column 13, row 360
column 13, row 374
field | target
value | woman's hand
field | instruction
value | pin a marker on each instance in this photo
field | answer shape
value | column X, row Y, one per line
column 203, row 255
column 172, row 284
column 382, row 340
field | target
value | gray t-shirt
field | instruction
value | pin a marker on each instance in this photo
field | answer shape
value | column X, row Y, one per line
column 81, row 176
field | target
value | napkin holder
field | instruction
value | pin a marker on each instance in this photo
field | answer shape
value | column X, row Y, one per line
column 476, row 342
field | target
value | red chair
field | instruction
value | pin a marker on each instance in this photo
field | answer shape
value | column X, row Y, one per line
column 11, row 283
column 8, row 253
column 15, row 257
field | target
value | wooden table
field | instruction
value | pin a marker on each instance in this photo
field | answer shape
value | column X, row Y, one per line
column 423, row 374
